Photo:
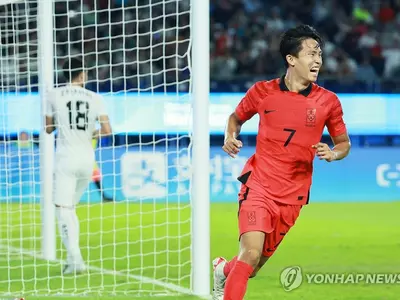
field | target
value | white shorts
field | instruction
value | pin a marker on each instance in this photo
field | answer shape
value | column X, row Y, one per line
column 71, row 178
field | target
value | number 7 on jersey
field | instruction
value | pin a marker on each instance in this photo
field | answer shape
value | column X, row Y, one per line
column 292, row 132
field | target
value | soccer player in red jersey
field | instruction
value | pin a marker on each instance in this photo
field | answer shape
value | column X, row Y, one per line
column 276, row 180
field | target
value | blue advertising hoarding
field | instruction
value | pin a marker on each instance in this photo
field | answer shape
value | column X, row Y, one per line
column 153, row 174
column 161, row 113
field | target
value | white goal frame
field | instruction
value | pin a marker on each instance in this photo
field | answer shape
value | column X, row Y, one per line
column 200, row 197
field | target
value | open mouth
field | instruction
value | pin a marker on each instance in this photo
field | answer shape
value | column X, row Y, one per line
column 314, row 71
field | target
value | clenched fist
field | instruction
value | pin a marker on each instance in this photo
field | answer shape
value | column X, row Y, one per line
column 324, row 152
column 232, row 146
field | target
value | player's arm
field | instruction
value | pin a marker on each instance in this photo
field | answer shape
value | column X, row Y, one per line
column 342, row 146
column 245, row 110
column 105, row 127
column 338, row 132
column 102, row 118
column 232, row 131
column 49, row 120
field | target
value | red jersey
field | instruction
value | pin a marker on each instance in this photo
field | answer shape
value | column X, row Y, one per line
column 290, row 123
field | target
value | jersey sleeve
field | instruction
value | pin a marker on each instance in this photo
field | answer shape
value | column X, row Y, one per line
column 335, row 123
column 248, row 106
column 49, row 104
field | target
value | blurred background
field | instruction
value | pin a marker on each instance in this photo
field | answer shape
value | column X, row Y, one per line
column 361, row 54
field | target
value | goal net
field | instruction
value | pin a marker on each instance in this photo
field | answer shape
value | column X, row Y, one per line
column 135, row 218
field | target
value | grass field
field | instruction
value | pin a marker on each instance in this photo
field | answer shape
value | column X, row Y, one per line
column 328, row 238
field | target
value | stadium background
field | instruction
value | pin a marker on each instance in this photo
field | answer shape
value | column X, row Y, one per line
column 361, row 63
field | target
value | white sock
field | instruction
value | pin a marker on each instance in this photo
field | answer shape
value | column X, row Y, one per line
column 68, row 225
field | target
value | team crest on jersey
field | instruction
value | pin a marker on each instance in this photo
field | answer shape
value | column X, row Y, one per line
column 251, row 216
column 311, row 117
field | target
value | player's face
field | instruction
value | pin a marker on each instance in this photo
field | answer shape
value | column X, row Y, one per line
column 309, row 60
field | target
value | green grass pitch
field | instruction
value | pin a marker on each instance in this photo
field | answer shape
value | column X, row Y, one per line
column 327, row 238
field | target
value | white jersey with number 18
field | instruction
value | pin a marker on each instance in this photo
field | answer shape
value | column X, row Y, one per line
column 75, row 111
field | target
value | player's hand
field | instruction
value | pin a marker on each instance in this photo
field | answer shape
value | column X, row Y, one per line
column 324, row 152
column 232, row 146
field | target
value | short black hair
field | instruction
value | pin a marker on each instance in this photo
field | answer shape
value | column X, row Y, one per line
column 292, row 38
column 72, row 68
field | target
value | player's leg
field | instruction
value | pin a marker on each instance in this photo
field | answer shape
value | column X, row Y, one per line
column 256, row 220
column 76, row 262
column 251, row 244
column 252, row 216
column 286, row 218
column 228, row 265
column 288, row 215
column 84, row 176
column 64, row 194
column 261, row 263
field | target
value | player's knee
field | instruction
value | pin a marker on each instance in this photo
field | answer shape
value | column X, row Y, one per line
column 251, row 257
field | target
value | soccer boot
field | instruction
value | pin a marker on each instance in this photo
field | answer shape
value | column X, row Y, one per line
column 219, row 278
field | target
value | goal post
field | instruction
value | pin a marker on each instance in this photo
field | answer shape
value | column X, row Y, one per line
column 46, row 83
column 201, row 147
column 150, row 62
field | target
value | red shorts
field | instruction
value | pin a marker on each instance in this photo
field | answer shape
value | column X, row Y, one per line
column 258, row 213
